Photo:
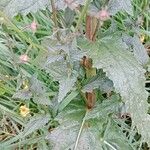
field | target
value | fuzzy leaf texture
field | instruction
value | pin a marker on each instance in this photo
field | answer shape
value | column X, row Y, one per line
column 73, row 118
column 139, row 50
column 102, row 83
column 35, row 124
column 12, row 7
column 65, row 86
column 127, row 75
column 115, row 6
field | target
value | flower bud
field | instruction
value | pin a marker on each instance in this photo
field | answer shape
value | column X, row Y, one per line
column 103, row 15
column 33, row 26
column 24, row 58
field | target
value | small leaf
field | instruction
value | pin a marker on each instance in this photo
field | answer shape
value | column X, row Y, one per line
column 35, row 124
column 2, row 91
column 115, row 6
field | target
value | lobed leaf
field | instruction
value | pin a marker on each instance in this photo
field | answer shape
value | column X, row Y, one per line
column 75, row 131
column 12, row 7
column 121, row 67
column 115, row 6
column 34, row 124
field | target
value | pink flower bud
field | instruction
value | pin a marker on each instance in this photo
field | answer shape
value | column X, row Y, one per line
column 103, row 15
column 24, row 58
column 33, row 26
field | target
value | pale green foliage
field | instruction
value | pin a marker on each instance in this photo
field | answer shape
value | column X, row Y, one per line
column 74, row 117
column 65, row 86
column 115, row 6
column 59, row 62
column 121, row 67
column 13, row 7
column 23, row 94
column 34, row 124
column 139, row 50
column 57, row 77
column 99, row 82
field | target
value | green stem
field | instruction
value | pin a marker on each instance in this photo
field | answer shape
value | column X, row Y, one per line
column 55, row 18
column 54, row 13
column 82, row 14
column 80, row 131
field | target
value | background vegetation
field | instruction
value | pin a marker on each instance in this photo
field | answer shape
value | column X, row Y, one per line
column 74, row 75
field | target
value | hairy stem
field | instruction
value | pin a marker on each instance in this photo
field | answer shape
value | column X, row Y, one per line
column 54, row 11
column 80, row 131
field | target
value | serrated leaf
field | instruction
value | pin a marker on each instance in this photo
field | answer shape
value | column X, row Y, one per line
column 42, row 99
column 139, row 51
column 65, row 86
column 109, row 106
column 37, row 87
column 128, row 78
column 35, row 124
column 62, row 5
column 13, row 7
column 24, row 94
column 115, row 6
column 103, row 83
column 58, row 70
column 75, row 131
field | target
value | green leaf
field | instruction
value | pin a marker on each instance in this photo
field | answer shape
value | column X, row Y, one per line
column 34, row 124
column 140, row 51
column 109, row 106
column 42, row 99
column 77, row 133
column 58, row 70
column 23, row 94
column 2, row 91
column 13, row 7
column 115, row 6
column 37, row 87
column 65, row 86
column 121, row 67
column 103, row 83
column 67, row 100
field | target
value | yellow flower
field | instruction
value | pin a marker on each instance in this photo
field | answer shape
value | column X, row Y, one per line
column 25, row 85
column 142, row 38
column 24, row 111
